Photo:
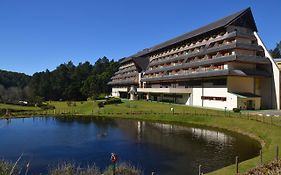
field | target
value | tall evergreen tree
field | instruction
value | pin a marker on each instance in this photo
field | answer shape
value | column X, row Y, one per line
column 66, row 82
column 276, row 52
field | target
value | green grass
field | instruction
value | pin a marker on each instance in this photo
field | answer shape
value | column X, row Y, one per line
column 18, row 107
column 267, row 130
column 84, row 107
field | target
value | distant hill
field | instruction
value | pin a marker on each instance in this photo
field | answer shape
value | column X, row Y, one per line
column 13, row 79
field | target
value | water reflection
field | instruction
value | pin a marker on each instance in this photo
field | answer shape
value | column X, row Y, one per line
column 197, row 133
column 164, row 148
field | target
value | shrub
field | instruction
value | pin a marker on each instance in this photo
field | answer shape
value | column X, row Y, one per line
column 124, row 169
column 100, row 98
column 273, row 168
column 236, row 110
column 167, row 101
column 72, row 169
column 101, row 104
column 47, row 107
column 2, row 112
column 6, row 168
column 113, row 101
column 68, row 103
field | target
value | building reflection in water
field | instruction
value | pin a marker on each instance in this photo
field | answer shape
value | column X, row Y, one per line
column 197, row 133
column 157, row 133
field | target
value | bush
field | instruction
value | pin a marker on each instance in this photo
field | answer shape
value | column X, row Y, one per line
column 113, row 101
column 236, row 110
column 47, row 107
column 72, row 169
column 6, row 168
column 2, row 112
column 273, row 168
column 100, row 98
column 101, row 104
column 124, row 169
column 167, row 101
column 68, row 103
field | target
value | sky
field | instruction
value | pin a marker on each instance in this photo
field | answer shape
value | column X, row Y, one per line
column 36, row 35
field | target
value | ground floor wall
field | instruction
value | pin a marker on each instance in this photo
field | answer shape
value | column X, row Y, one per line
column 249, row 103
column 169, row 98
column 120, row 92
column 214, row 98
column 204, row 95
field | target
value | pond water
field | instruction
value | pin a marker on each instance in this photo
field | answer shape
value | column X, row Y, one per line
column 162, row 148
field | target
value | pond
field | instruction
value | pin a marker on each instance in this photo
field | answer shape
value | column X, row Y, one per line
column 153, row 147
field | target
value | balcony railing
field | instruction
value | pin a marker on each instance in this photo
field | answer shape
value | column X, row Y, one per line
column 123, row 82
column 208, row 73
column 222, row 47
column 205, row 43
column 126, row 70
column 165, row 90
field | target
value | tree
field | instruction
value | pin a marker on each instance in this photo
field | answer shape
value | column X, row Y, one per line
column 66, row 82
column 276, row 52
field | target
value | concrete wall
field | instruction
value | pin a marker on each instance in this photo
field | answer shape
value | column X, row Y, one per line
column 116, row 91
column 275, row 80
column 184, row 99
column 242, row 103
column 245, row 52
column 244, row 40
column 241, row 84
column 212, row 91
column 233, row 65
column 266, row 93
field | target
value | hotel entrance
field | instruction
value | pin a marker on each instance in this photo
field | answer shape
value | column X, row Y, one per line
column 247, row 103
column 250, row 105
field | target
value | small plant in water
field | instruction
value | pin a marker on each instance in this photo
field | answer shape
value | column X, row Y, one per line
column 73, row 169
column 67, row 168
column 123, row 169
column 6, row 168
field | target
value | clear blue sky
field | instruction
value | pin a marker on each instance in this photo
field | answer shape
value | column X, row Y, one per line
column 36, row 35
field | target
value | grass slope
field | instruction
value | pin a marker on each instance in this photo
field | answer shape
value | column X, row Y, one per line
column 18, row 107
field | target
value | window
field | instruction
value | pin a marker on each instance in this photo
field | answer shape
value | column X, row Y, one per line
column 213, row 98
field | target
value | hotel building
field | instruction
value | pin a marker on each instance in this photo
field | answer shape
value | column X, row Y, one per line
column 221, row 65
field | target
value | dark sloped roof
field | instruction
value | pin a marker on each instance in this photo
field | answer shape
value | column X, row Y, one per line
column 241, row 18
column 141, row 63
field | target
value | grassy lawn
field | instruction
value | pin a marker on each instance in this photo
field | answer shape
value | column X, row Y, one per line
column 18, row 107
column 91, row 108
column 83, row 107
column 267, row 133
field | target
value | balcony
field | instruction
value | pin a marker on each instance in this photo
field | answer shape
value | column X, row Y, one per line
column 119, row 89
column 198, row 45
column 124, row 82
column 208, row 73
column 216, row 60
column 166, row 90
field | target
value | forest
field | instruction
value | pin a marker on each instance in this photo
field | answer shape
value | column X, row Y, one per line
column 66, row 82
